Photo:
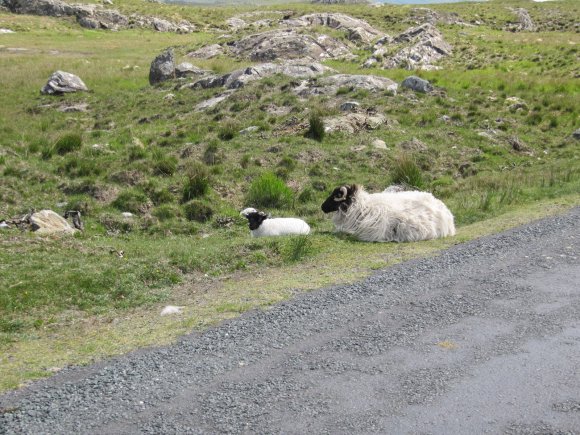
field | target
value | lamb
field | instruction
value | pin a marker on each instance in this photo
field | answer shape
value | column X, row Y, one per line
column 399, row 216
column 262, row 225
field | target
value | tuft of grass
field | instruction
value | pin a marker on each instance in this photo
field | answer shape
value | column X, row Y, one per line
column 212, row 154
column 133, row 201
column 406, row 172
column 68, row 143
column 269, row 191
column 197, row 211
column 315, row 128
column 163, row 165
column 297, row 248
column 196, row 182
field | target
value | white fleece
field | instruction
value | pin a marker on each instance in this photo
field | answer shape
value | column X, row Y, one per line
column 281, row 227
column 395, row 217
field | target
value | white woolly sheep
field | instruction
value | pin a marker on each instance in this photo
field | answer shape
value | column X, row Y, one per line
column 262, row 225
column 400, row 216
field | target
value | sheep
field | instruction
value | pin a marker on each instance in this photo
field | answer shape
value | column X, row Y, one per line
column 262, row 225
column 399, row 216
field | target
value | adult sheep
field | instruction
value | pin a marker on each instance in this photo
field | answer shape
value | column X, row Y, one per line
column 262, row 225
column 406, row 216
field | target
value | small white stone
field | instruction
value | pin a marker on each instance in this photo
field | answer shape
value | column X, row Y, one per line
column 171, row 309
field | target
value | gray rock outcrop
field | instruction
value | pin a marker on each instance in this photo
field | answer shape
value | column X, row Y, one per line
column 207, row 52
column 524, row 23
column 426, row 15
column 288, row 44
column 357, row 30
column 95, row 16
column 162, row 68
column 417, row 84
column 208, row 104
column 330, row 85
column 354, row 122
column 419, row 48
column 186, row 69
column 576, row 134
column 61, row 82
column 48, row 222
column 238, row 78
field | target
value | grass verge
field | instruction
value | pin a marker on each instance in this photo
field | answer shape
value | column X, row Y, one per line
column 207, row 301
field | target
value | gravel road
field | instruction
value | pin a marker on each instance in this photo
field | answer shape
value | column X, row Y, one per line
column 483, row 338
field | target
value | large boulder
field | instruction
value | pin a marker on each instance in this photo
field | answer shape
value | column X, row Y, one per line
column 61, row 82
column 288, row 44
column 419, row 48
column 51, row 8
column 48, row 222
column 357, row 30
column 162, row 68
column 94, row 16
column 417, row 84
column 239, row 78
column 329, row 85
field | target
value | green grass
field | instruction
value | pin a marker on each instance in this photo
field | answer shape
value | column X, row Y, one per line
column 186, row 174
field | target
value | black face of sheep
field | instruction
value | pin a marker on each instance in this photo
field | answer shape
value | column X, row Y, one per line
column 340, row 198
column 255, row 218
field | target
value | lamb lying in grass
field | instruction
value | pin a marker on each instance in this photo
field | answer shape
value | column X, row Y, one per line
column 261, row 225
column 390, row 216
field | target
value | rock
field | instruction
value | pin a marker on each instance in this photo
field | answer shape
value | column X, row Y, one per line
column 427, row 15
column 48, row 222
column 417, row 84
column 525, row 22
column 127, row 214
column 357, row 30
column 515, row 104
column 288, row 44
column 4, row 225
column 212, row 81
column 350, row 106
column 379, row 144
column 239, row 78
column 353, row 122
column 170, row 309
column 519, row 146
column 52, row 8
column 420, row 47
column 207, row 52
column 161, row 25
column 413, row 145
column 186, row 69
column 576, row 134
column 162, row 68
column 94, row 16
column 236, row 23
column 251, row 129
column 6, row 31
column 79, row 107
column 169, row 97
column 329, row 85
column 61, row 82
column 207, row 104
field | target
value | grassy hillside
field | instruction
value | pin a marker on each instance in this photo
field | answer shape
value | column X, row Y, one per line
column 186, row 174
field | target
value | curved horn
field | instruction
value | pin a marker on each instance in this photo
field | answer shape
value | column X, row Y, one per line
column 344, row 192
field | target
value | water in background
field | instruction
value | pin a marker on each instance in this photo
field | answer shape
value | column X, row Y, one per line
column 422, row 2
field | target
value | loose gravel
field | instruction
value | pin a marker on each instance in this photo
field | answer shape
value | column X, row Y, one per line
column 484, row 337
